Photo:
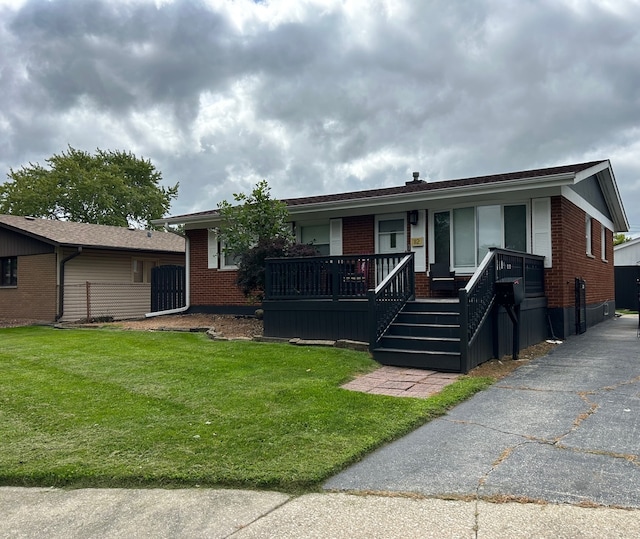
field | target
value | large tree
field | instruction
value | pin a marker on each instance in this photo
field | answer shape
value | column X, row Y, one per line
column 107, row 188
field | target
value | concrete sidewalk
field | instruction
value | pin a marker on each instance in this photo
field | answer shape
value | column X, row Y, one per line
column 157, row 513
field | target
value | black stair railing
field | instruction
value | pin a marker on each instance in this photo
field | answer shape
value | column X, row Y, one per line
column 477, row 298
column 388, row 298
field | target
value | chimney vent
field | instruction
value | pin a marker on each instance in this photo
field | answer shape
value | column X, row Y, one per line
column 416, row 180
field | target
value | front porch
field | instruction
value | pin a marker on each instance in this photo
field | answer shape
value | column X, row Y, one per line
column 372, row 298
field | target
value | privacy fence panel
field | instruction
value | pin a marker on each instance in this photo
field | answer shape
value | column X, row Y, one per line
column 168, row 288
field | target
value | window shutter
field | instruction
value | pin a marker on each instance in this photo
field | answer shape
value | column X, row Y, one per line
column 541, row 226
column 335, row 237
column 212, row 249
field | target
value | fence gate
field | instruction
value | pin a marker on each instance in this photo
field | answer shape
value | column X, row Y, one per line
column 581, row 306
column 168, row 288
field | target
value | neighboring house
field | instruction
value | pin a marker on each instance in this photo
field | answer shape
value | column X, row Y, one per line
column 566, row 214
column 626, row 259
column 61, row 270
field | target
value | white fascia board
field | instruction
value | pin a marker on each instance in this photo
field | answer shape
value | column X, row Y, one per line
column 607, row 181
column 574, row 197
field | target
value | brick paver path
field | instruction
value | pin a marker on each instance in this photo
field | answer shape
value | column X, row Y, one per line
column 402, row 382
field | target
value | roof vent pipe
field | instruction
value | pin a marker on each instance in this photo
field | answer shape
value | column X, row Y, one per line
column 416, row 180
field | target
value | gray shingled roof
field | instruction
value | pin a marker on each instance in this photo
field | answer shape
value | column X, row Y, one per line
column 67, row 233
column 423, row 186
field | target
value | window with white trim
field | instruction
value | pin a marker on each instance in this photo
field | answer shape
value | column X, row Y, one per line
column 463, row 236
column 228, row 260
column 588, row 235
column 603, row 243
column 391, row 233
column 317, row 235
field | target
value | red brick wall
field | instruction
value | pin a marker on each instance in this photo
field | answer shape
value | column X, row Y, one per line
column 210, row 286
column 358, row 235
column 422, row 285
column 570, row 259
column 35, row 297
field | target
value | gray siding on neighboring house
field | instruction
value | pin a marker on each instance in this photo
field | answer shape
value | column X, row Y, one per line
column 100, row 284
column 14, row 244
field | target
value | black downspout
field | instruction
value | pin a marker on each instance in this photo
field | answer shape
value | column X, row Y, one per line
column 61, row 291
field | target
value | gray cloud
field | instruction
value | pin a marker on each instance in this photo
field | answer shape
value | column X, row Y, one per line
column 323, row 96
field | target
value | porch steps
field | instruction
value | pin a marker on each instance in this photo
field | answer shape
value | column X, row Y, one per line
column 425, row 335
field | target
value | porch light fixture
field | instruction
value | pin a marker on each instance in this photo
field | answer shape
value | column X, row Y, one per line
column 413, row 217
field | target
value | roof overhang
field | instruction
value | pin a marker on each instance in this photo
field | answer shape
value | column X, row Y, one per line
column 394, row 202
column 453, row 195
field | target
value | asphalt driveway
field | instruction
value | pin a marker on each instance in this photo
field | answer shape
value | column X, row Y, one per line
column 564, row 428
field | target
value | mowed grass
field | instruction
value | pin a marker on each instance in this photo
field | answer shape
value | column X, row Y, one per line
column 123, row 408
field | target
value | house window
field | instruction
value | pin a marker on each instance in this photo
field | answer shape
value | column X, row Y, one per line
column 442, row 237
column 588, row 235
column 603, row 243
column 464, row 232
column 318, row 236
column 142, row 270
column 515, row 228
column 228, row 260
column 9, row 271
column 391, row 234
column 463, row 236
column 489, row 229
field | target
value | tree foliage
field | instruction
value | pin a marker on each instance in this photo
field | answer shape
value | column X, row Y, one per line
column 107, row 188
column 254, row 219
column 254, row 229
column 620, row 238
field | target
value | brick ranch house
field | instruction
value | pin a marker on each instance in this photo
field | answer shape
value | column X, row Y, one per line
column 60, row 270
column 563, row 218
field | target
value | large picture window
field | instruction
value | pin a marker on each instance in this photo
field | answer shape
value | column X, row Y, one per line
column 462, row 236
column 9, row 271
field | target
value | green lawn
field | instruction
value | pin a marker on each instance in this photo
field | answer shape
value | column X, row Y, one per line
column 125, row 408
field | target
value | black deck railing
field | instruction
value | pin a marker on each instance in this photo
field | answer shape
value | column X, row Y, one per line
column 327, row 277
column 478, row 296
column 388, row 298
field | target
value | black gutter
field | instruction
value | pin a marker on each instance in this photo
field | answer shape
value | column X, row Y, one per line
column 61, row 291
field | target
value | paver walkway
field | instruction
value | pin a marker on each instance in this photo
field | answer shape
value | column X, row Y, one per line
column 402, row 382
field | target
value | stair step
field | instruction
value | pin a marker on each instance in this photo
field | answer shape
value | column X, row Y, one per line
column 409, row 342
column 436, row 317
column 424, row 330
column 438, row 361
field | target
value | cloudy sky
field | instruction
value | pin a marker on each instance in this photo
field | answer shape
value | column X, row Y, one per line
column 321, row 96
